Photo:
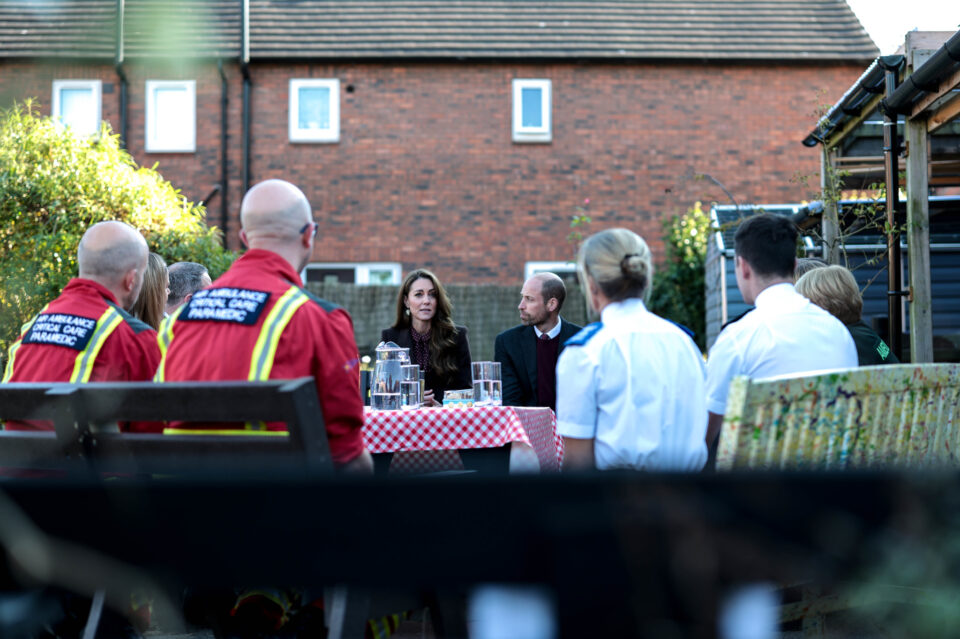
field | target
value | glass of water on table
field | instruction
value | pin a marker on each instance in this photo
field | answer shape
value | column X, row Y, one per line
column 486, row 384
column 410, row 390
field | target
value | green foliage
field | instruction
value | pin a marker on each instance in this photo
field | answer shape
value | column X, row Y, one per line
column 679, row 291
column 54, row 185
column 578, row 222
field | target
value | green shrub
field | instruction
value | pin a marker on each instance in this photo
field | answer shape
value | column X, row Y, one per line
column 54, row 185
column 679, row 292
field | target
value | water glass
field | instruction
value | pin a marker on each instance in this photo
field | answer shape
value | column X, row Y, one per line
column 410, row 397
column 486, row 384
column 384, row 401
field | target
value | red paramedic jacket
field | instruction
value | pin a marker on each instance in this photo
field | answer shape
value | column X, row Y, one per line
column 256, row 323
column 83, row 336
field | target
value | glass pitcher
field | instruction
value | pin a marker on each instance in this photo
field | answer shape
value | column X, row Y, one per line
column 387, row 375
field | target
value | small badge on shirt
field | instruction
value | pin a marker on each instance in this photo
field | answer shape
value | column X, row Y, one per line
column 61, row 329
column 234, row 305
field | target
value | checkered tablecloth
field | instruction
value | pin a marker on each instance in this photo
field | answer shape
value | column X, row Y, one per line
column 415, row 432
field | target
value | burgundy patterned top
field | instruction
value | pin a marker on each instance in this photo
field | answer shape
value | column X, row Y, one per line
column 420, row 351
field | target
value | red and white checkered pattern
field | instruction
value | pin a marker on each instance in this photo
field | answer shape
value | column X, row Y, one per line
column 446, row 430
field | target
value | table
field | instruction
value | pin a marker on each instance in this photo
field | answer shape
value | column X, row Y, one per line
column 428, row 439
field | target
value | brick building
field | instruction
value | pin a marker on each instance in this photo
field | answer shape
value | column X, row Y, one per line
column 460, row 136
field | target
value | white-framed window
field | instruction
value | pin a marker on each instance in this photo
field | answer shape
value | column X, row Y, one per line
column 532, row 111
column 171, row 122
column 566, row 270
column 314, row 112
column 353, row 273
column 76, row 104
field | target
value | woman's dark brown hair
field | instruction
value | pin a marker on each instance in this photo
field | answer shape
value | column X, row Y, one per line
column 442, row 330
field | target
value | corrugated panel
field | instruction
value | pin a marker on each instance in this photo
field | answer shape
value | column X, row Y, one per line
column 616, row 29
column 152, row 28
column 183, row 28
column 48, row 28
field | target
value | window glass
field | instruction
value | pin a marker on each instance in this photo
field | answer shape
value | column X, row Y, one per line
column 76, row 105
column 532, row 100
column 171, row 116
column 173, row 110
column 77, row 110
column 532, row 115
column 314, row 108
column 381, row 276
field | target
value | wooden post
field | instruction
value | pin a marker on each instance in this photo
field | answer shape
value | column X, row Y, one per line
column 918, row 241
column 831, row 195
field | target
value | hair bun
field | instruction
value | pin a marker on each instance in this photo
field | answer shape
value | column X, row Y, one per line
column 629, row 267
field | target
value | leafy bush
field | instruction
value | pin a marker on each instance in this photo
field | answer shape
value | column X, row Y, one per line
column 54, row 185
column 679, row 291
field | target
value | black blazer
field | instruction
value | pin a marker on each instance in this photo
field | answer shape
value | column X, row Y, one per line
column 516, row 350
column 460, row 378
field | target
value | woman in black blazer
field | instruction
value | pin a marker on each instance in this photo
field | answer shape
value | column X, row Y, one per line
column 425, row 327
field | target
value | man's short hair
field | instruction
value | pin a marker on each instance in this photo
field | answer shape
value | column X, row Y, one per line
column 768, row 243
column 552, row 287
column 186, row 278
column 805, row 264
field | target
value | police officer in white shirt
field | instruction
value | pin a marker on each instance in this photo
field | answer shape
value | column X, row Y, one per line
column 786, row 333
column 630, row 389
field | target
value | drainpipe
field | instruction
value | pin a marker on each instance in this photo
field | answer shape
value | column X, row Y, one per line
column 121, row 74
column 224, row 210
column 245, row 70
column 891, row 154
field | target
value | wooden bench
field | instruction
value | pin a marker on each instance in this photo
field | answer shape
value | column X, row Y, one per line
column 898, row 416
column 903, row 416
column 86, row 436
column 87, row 441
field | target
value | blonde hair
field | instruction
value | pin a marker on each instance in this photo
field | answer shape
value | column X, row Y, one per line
column 152, row 301
column 618, row 261
column 834, row 289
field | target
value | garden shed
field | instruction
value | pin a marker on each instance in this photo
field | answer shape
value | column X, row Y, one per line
column 901, row 116
column 863, row 251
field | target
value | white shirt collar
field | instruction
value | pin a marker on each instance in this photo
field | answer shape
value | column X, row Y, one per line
column 553, row 332
column 772, row 295
column 624, row 308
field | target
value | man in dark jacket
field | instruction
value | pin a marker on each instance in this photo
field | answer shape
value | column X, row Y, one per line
column 528, row 353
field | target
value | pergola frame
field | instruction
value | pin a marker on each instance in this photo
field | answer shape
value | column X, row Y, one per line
column 928, row 98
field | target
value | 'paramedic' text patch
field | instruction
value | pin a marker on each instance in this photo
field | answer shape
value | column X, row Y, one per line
column 235, row 305
column 61, row 329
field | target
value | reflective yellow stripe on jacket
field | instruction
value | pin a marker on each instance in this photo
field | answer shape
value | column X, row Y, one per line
column 12, row 352
column 164, row 337
column 261, row 360
column 83, row 365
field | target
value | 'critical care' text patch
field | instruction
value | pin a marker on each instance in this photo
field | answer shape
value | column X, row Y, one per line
column 61, row 329
column 235, row 305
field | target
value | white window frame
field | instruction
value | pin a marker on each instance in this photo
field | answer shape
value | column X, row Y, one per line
column 361, row 270
column 542, row 133
column 327, row 136
column 96, row 86
column 532, row 268
column 156, row 143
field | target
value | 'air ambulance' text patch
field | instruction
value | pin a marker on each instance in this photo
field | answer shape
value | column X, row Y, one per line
column 61, row 329
column 235, row 305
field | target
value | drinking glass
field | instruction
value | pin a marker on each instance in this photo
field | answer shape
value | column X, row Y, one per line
column 487, row 386
column 410, row 397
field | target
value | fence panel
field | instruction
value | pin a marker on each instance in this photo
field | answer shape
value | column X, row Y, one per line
column 485, row 309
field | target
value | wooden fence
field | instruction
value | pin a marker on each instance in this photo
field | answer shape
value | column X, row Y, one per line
column 484, row 309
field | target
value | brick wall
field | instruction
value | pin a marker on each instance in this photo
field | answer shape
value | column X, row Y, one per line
column 426, row 174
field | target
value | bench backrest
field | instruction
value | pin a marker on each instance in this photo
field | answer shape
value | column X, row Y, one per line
column 905, row 415
column 84, row 418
